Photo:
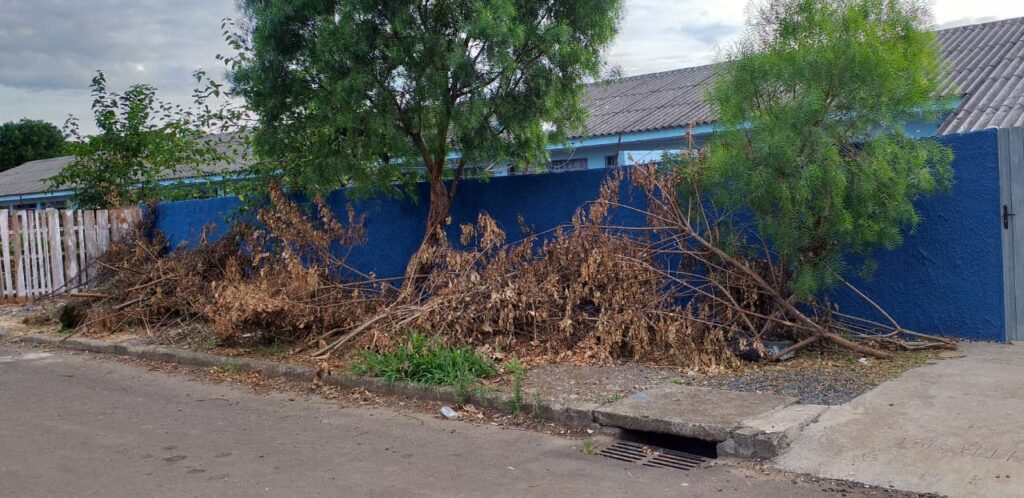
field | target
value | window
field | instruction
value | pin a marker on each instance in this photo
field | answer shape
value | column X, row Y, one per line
column 568, row 164
column 611, row 161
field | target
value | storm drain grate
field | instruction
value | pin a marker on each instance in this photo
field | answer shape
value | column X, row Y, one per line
column 652, row 456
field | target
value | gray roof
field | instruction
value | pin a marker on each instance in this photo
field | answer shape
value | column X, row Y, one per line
column 648, row 102
column 985, row 62
column 30, row 177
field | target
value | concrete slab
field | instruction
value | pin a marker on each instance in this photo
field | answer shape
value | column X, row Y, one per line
column 955, row 427
column 696, row 412
column 766, row 436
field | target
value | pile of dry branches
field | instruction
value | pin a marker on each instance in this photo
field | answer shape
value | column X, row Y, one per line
column 749, row 295
column 583, row 291
column 277, row 280
column 588, row 291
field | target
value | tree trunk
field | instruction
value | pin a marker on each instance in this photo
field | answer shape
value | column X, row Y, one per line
column 437, row 214
column 439, row 208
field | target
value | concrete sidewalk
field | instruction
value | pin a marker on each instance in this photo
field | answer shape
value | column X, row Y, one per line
column 694, row 412
column 76, row 424
column 955, row 427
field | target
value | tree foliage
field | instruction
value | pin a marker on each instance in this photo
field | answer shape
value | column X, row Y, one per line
column 28, row 140
column 370, row 94
column 810, row 112
column 145, row 142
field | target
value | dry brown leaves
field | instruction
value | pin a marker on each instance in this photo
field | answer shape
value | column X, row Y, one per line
column 586, row 292
column 254, row 285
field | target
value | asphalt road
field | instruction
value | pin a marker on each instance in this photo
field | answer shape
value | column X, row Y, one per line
column 86, row 425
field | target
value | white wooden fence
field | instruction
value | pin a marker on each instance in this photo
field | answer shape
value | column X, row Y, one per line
column 44, row 251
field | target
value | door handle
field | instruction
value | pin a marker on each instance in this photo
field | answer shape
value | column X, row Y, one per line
column 1006, row 217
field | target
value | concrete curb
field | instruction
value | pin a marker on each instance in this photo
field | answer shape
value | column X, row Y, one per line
column 575, row 416
column 690, row 411
column 762, row 438
column 771, row 434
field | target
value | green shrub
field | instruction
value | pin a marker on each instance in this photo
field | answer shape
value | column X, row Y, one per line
column 426, row 361
column 516, row 369
column 71, row 315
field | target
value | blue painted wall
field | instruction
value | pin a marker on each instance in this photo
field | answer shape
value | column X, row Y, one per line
column 182, row 222
column 947, row 278
column 395, row 227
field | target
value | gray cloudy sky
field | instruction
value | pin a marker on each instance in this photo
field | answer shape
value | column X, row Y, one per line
column 50, row 49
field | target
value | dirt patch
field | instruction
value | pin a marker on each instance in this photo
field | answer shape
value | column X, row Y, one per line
column 827, row 377
column 822, row 377
column 28, row 317
column 590, row 383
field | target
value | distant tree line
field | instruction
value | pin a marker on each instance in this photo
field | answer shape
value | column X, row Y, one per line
column 28, row 140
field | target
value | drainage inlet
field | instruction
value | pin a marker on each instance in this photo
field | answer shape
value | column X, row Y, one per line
column 660, row 450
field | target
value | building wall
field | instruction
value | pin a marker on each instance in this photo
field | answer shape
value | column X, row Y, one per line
column 395, row 227
column 57, row 203
column 625, row 155
column 947, row 278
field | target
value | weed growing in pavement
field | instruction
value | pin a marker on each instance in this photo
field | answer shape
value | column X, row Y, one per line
column 589, row 447
column 536, row 404
column 610, row 398
column 210, row 344
column 428, row 361
column 516, row 369
column 229, row 366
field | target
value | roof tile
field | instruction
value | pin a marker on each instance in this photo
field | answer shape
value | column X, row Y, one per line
column 985, row 63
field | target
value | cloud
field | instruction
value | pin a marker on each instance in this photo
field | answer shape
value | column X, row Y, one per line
column 964, row 21
column 49, row 105
column 659, row 35
column 712, row 33
column 952, row 13
column 50, row 49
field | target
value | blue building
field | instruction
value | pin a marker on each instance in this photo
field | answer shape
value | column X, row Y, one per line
column 635, row 119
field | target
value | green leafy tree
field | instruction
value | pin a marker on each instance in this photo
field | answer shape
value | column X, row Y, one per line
column 143, row 142
column 809, row 139
column 28, row 140
column 371, row 95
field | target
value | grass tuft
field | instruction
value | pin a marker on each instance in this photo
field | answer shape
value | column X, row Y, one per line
column 210, row 344
column 427, row 361
column 276, row 348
